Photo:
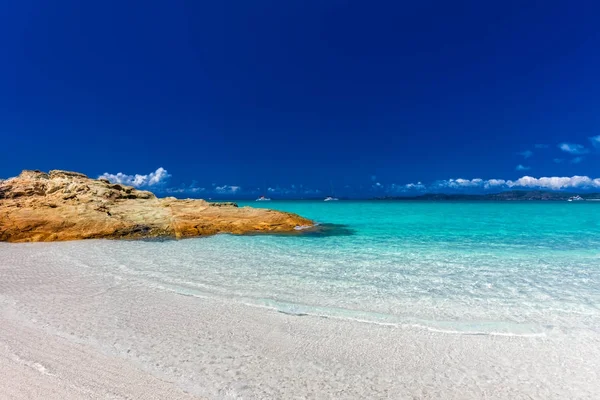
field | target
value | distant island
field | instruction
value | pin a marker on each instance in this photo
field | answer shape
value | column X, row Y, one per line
column 512, row 195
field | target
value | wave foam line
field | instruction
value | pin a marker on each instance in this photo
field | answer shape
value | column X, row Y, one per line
column 305, row 311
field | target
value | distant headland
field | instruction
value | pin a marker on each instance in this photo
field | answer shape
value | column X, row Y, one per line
column 512, row 195
column 61, row 205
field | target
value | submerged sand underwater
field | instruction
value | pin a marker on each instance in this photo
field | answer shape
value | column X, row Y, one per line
column 71, row 331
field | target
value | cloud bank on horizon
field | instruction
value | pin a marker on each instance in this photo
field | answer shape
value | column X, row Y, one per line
column 156, row 180
column 554, row 183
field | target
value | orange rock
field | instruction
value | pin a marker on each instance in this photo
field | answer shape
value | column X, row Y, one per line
column 61, row 205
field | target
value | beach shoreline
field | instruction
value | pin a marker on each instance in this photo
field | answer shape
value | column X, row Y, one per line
column 71, row 331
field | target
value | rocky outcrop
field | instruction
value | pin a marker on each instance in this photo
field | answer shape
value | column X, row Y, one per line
column 62, row 205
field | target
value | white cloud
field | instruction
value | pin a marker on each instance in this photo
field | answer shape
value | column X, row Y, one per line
column 293, row 191
column 459, row 183
column 185, row 190
column 595, row 141
column 492, row 183
column 526, row 153
column 158, row 177
column 522, row 167
column 409, row 187
column 555, row 182
column 282, row 190
column 572, row 148
column 415, row 186
column 227, row 189
column 577, row 160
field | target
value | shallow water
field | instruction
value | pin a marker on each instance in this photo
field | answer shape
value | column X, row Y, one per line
column 458, row 267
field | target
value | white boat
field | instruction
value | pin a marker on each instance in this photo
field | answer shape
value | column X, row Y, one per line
column 331, row 198
column 263, row 198
column 576, row 198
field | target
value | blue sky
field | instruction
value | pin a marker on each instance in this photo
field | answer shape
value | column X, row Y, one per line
column 232, row 98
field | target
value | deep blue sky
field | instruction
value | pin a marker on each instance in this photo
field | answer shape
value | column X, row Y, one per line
column 275, row 93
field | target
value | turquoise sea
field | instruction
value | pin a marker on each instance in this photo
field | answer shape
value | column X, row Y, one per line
column 499, row 268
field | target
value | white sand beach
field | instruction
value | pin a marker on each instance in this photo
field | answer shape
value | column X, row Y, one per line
column 70, row 331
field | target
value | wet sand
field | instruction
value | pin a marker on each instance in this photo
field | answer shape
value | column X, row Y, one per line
column 69, row 331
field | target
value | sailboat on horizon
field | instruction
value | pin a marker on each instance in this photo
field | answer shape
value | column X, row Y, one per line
column 332, row 197
column 263, row 197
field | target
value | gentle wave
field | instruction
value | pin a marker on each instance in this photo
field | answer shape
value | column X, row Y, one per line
column 299, row 310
